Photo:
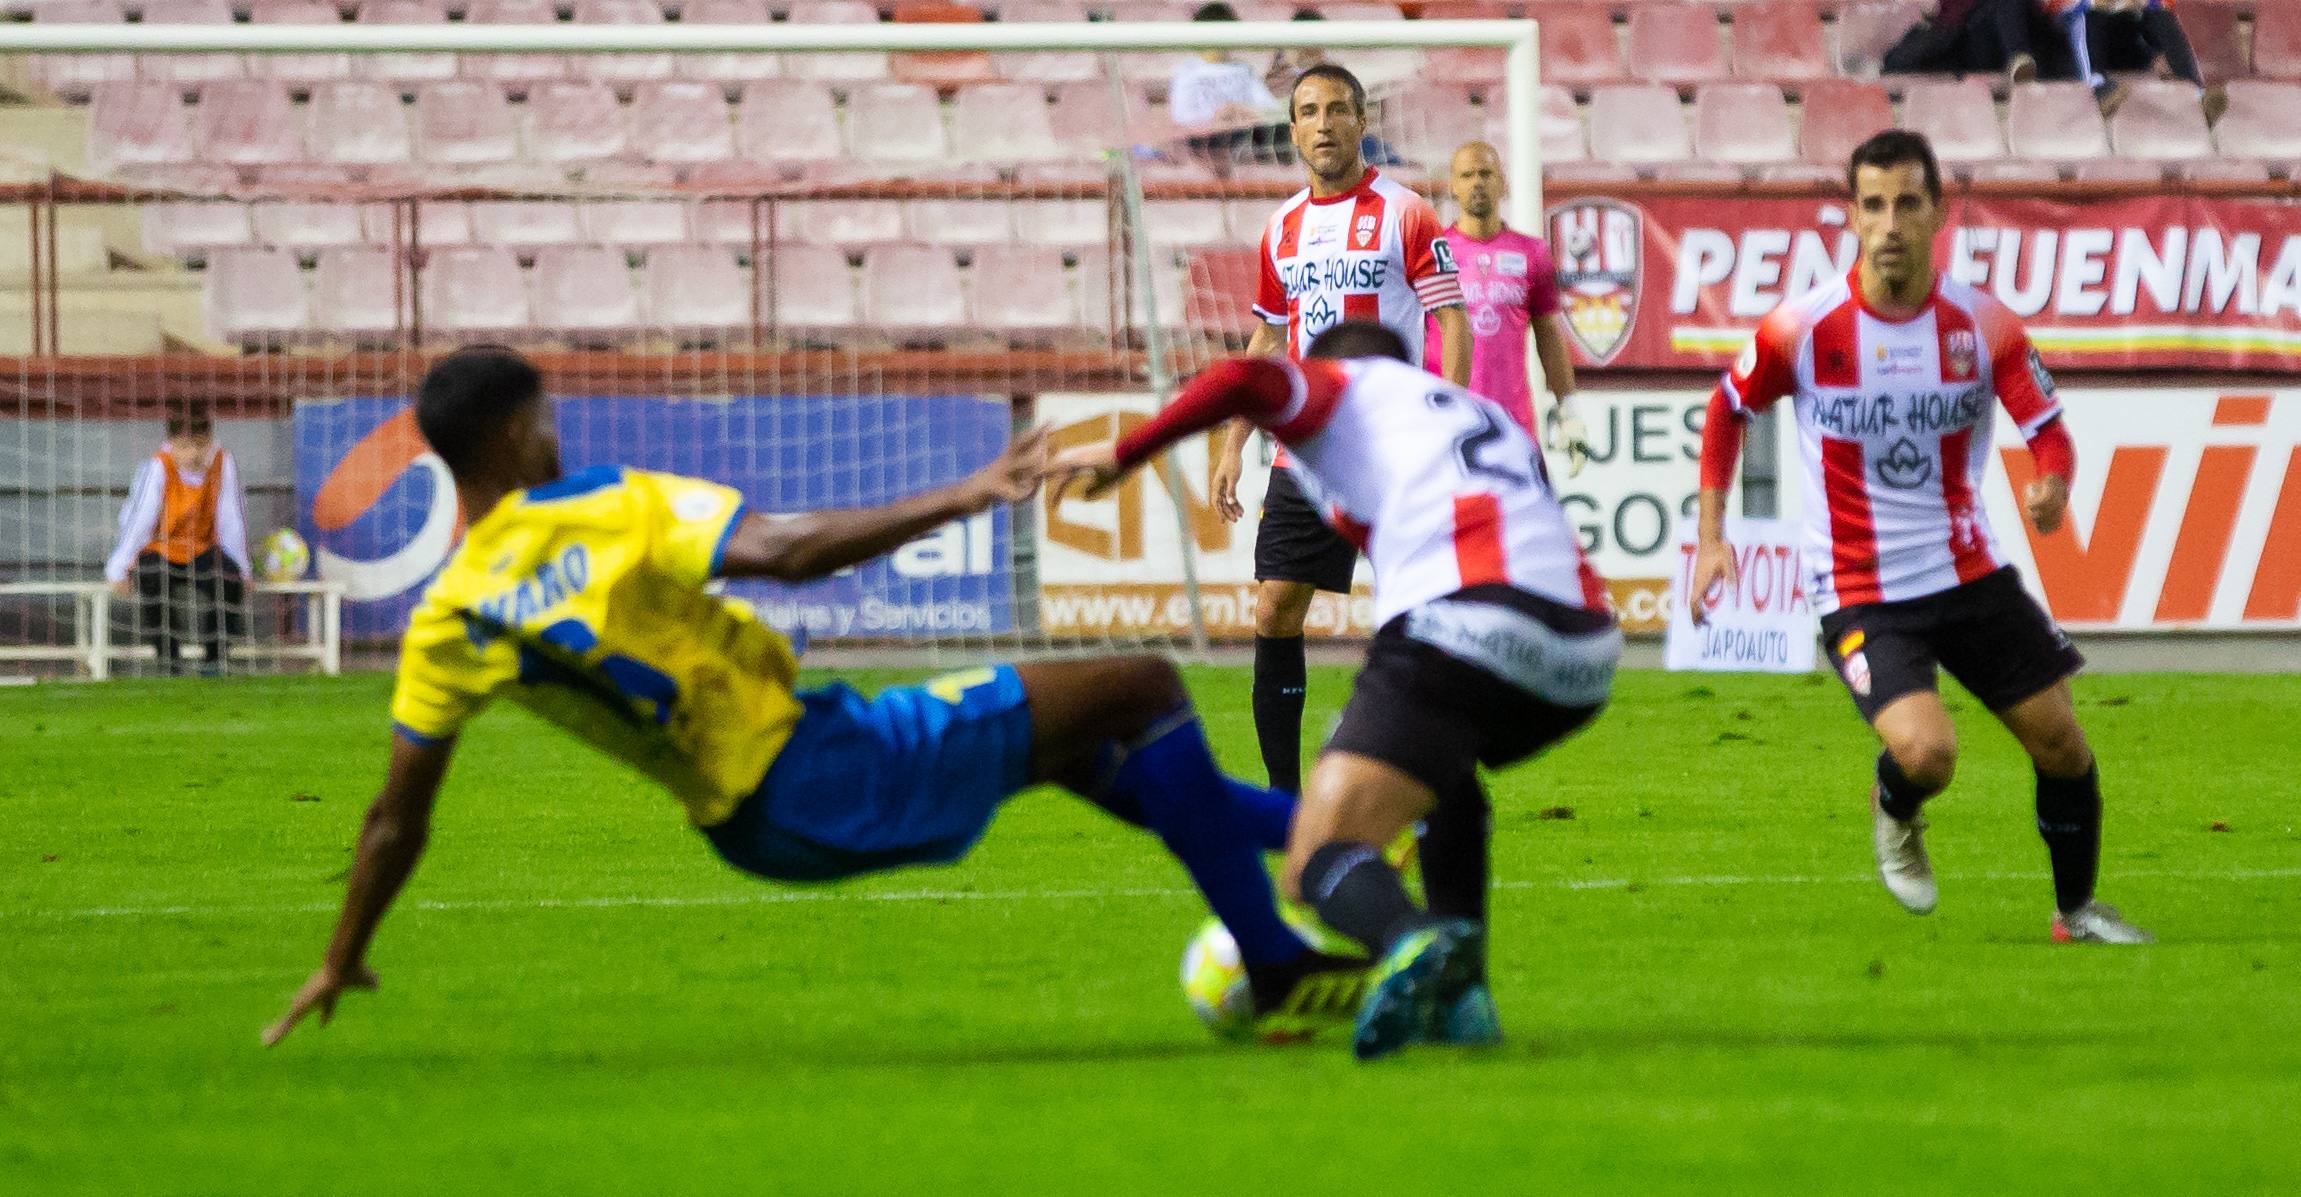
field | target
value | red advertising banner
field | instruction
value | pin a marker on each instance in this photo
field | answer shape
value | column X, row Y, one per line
column 2172, row 281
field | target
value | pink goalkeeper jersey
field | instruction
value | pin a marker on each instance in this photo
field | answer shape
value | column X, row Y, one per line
column 1507, row 283
column 1894, row 423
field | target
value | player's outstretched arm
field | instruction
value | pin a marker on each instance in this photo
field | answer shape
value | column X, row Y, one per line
column 1713, row 557
column 391, row 841
column 805, row 547
column 1252, row 392
column 1269, row 340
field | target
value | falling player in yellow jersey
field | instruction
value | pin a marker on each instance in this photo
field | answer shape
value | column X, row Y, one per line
column 583, row 597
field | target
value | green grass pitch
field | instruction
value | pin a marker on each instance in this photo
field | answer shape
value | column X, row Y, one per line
column 1703, row 989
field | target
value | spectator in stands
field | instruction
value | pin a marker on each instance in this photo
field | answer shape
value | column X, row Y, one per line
column 2146, row 36
column 2074, row 58
column 184, row 542
column 1219, row 102
column 1286, row 66
column 1965, row 37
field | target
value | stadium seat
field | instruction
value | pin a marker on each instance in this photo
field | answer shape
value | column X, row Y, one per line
column 1185, row 224
column 1085, row 118
column 1093, row 278
column 691, row 288
column 2226, row 170
column 2160, row 121
column 1635, row 125
column 2054, row 122
column 912, row 290
column 621, row 68
column 1743, row 123
column 570, row 121
column 524, row 222
column 681, row 122
column 133, row 125
column 2119, row 170
column 1959, row 117
column 255, row 293
column 297, row 225
column 2277, row 41
column 2013, row 174
column 1063, row 223
column 1427, row 121
column 300, row 70
column 1837, row 116
column 249, row 122
column 357, row 123
column 634, row 222
column 474, row 289
column 1218, row 282
column 2214, row 36
column 895, row 122
column 353, row 292
column 1579, row 48
column 1867, row 30
column 584, row 289
column 847, row 223
column 786, row 121
column 960, row 222
column 1022, row 291
column 405, row 68
column 809, row 290
column 1046, row 67
column 941, row 69
column 1003, row 123
column 1246, row 219
column 189, row 68
column 2261, row 121
column 1675, row 44
column 436, row 222
column 1779, row 41
column 727, row 68
column 513, row 68
column 1562, row 139
column 190, row 228
column 854, row 66
column 74, row 75
column 461, row 122
column 727, row 222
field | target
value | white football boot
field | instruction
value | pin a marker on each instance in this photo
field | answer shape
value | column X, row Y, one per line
column 1902, row 862
column 2097, row 922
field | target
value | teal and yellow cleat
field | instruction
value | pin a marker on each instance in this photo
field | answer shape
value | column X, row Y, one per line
column 1321, row 999
column 1417, row 983
column 1471, row 1021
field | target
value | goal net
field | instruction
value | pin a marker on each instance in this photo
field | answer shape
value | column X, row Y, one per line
column 826, row 264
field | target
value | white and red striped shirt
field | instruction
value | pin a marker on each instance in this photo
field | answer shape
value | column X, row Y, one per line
column 1375, row 252
column 1440, row 488
column 1894, row 424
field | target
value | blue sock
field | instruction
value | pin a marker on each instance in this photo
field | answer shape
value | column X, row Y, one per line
column 1270, row 812
column 1172, row 778
column 2073, row 28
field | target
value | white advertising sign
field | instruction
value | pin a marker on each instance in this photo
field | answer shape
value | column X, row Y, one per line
column 1761, row 624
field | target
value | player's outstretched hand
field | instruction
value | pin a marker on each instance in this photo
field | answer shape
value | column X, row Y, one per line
column 319, row 993
column 2045, row 501
column 1016, row 475
column 1092, row 469
column 1223, row 487
column 1568, row 435
column 1713, row 567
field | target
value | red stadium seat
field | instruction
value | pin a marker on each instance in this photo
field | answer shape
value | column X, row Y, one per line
column 688, row 288
column 2226, row 170
column 1838, row 115
column 1185, row 224
column 810, row 290
column 2160, row 121
column 353, row 293
column 895, row 122
column 354, row 123
column 2054, row 122
column 681, row 122
column 513, row 68
column 1063, row 223
column 405, row 68
column 1427, row 121
column 524, row 222
column 727, row 68
column 1003, row 123
column 625, row 223
column 835, row 66
column 569, row 122
column 1579, row 48
column 1779, row 41
column 2260, row 122
column 959, row 222
column 1637, row 125
column 1021, row 290
column 302, row 70
column 1743, row 123
column 295, row 225
column 1219, row 284
column 584, row 289
column 1867, row 30
column 2277, row 41
column 2213, row 34
column 1675, row 44
column 2119, row 170
column 133, row 125
column 462, row 122
column 74, row 75
column 1085, row 118
column 786, row 121
column 474, row 289
column 190, row 228
column 255, row 293
column 249, row 122
column 189, row 68
column 1959, row 117
column 944, row 69
column 621, row 68
column 912, row 290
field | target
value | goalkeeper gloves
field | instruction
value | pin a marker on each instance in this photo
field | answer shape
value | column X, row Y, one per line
column 1564, row 432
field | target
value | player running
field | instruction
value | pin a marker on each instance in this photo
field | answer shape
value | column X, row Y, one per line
column 1510, row 287
column 1354, row 245
column 1494, row 643
column 582, row 597
column 1892, row 374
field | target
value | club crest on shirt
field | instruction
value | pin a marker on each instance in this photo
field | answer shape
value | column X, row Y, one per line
column 1857, row 671
column 1365, row 230
column 1601, row 250
column 1962, row 354
column 1903, row 467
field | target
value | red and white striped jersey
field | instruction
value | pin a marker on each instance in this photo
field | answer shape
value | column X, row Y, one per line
column 1440, row 488
column 1374, row 252
column 1894, row 425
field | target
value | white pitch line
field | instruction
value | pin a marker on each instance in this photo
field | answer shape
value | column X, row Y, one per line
column 778, row 897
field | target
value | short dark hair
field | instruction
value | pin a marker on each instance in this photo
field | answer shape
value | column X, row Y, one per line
column 470, row 394
column 1217, row 11
column 1895, row 147
column 1359, row 338
column 1328, row 70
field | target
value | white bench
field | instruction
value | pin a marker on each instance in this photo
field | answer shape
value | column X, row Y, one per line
column 93, row 649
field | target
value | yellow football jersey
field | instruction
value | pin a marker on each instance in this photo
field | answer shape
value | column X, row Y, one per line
column 583, row 601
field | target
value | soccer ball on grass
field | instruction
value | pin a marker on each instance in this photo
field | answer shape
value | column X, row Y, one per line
column 1214, row 981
